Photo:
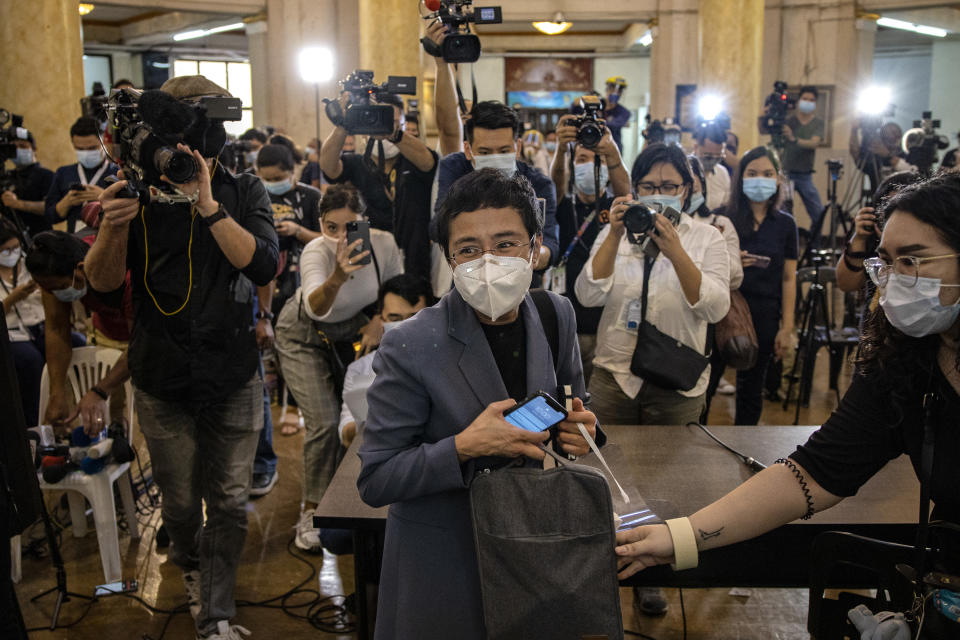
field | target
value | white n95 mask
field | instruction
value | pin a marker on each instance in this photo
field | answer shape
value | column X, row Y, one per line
column 493, row 285
column 505, row 162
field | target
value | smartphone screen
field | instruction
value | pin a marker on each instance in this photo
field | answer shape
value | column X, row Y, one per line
column 359, row 229
column 535, row 414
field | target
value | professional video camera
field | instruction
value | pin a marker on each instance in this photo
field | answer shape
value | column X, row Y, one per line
column 361, row 117
column 460, row 45
column 666, row 132
column 150, row 124
column 11, row 130
column 589, row 122
column 776, row 107
column 95, row 104
column 922, row 142
column 638, row 220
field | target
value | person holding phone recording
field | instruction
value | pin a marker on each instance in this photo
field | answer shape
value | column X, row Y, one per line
column 316, row 330
column 769, row 249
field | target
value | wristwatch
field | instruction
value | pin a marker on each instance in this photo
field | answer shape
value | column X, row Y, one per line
column 264, row 315
column 216, row 217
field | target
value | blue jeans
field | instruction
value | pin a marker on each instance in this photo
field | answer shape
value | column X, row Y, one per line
column 202, row 452
column 803, row 185
column 265, row 460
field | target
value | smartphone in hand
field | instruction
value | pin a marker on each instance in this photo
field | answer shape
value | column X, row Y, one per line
column 360, row 230
column 537, row 413
column 761, row 261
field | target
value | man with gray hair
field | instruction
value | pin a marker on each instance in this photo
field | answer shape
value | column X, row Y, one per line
column 193, row 353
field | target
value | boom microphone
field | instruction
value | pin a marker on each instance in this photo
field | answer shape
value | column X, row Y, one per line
column 57, row 471
column 166, row 115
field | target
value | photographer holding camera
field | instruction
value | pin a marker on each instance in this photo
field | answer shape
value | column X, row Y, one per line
column 394, row 176
column 493, row 141
column 710, row 147
column 802, row 134
column 75, row 184
column 31, row 183
column 193, row 354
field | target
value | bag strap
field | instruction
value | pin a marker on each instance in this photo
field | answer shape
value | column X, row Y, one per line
column 551, row 325
column 926, row 475
column 647, row 267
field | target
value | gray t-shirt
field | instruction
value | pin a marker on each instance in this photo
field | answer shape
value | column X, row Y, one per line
column 796, row 159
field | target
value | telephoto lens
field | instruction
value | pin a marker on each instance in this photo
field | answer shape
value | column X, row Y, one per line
column 639, row 218
column 179, row 166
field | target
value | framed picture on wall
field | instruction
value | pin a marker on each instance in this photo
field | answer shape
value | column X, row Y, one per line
column 546, row 83
column 685, row 112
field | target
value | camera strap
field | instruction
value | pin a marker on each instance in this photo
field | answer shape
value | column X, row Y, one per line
column 96, row 176
column 456, row 83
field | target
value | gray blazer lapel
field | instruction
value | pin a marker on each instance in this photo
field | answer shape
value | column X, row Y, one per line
column 540, row 373
column 476, row 360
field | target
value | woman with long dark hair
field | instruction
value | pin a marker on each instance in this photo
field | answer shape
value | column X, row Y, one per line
column 910, row 358
column 769, row 249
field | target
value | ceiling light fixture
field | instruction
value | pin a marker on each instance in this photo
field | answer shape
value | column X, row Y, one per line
column 553, row 28
column 903, row 25
column 646, row 39
column 202, row 33
column 85, row 8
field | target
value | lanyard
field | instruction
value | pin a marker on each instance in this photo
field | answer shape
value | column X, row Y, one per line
column 96, row 176
column 580, row 232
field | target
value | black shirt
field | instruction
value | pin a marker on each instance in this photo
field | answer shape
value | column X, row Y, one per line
column 776, row 237
column 31, row 183
column 571, row 214
column 371, row 184
column 509, row 346
column 301, row 205
column 207, row 350
column 411, row 224
column 68, row 175
column 870, row 428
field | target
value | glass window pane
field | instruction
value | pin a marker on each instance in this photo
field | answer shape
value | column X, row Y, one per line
column 237, row 127
column 238, row 79
column 184, row 68
column 214, row 71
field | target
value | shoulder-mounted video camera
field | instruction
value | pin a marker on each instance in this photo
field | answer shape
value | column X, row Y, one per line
column 460, row 45
column 666, row 132
column 589, row 121
column 777, row 105
column 922, row 142
column 639, row 222
column 150, row 124
column 11, row 130
column 362, row 116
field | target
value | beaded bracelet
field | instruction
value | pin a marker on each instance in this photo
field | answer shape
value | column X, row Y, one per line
column 803, row 485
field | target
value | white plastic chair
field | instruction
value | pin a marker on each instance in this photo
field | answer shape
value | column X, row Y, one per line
column 88, row 366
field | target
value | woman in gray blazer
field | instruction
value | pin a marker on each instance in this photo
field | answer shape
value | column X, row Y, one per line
column 436, row 407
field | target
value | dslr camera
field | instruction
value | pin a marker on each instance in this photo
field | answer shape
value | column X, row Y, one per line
column 589, row 122
column 777, row 105
column 362, row 117
column 460, row 45
column 150, row 124
column 639, row 221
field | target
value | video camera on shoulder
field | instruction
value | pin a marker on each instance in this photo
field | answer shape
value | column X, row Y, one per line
column 460, row 45
column 665, row 132
column 639, row 221
column 922, row 142
column 11, row 130
column 777, row 105
column 150, row 124
column 362, row 116
column 589, row 122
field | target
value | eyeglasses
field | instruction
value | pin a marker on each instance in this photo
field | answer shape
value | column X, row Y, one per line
column 907, row 266
column 506, row 248
column 667, row 188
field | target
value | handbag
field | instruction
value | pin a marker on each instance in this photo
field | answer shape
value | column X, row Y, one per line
column 736, row 339
column 661, row 359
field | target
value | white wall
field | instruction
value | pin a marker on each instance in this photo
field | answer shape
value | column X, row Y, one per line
column 489, row 72
column 908, row 74
column 636, row 71
column 944, row 88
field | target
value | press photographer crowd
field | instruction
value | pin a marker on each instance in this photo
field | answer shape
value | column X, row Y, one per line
column 474, row 315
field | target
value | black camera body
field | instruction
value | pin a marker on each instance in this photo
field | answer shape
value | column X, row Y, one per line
column 362, row 117
column 11, row 130
column 456, row 14
column 922, row 142
column 590, row 125
column 150, row 124
column 639, row 221
column 95, row 104
column 778, row 104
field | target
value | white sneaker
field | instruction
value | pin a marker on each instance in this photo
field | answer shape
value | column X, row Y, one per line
column 227, row 631
column 724, row 388
column 308, row 536
column 191, row 584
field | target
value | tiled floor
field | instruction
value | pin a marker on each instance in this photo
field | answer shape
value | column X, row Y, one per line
column 268, row 570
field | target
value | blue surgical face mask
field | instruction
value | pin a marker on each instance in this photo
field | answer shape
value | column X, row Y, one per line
column 661, row 201
column 89, row 158
column 70, row 293
column 277, row 187
column 550, row 145
column 613, row 98
column 917, row 310
column 671, row 137
column 505, row 162
column 806, row 106
column 25, row 157
column 583, row 174
column 759, row 189
column 250, row 157
column 696, row 201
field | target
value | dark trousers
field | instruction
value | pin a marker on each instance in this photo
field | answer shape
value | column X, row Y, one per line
column 766, row 322
column 717, row 366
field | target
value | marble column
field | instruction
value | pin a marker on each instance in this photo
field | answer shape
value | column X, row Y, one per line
column 731, row 61
column 390, row 39
column 673, row 56
column 42, row 54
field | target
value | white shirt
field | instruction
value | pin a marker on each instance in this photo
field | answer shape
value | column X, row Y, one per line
column 359, row 375
column 318, row 261
column 718, row 187
column 667, row 307
column 26, row 313
column 729, row 233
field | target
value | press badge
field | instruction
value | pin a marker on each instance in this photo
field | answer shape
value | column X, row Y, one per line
column 632, row 315
column 558, row 279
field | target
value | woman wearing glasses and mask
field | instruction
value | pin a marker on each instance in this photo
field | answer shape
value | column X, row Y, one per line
column 909, row 349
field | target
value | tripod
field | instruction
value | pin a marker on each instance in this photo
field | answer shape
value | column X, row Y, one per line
column 63, row 595
column 814, row 309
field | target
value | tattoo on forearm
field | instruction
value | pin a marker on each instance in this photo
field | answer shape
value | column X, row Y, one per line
column 706, row 535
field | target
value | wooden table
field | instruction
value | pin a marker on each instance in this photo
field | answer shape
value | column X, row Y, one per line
column 677, row 470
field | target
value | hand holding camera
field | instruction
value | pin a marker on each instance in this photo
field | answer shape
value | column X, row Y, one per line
column 117, row 211
column 865, row 224
column 199, row 185
column 566, row 131
column 617, row 211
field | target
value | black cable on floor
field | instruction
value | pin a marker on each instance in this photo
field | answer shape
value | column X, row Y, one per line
column 683, row 614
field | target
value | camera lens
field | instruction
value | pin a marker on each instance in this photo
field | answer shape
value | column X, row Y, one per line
column 638, row 218
column 178, row 166
column 590, row 135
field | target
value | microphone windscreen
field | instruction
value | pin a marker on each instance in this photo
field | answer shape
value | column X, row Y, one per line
column 432, row 5
column 91, row 466
column 51, row 461
column 166, row 115
column 57, row 472
column 79, row 437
